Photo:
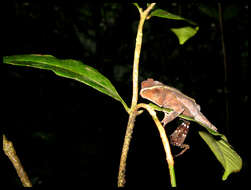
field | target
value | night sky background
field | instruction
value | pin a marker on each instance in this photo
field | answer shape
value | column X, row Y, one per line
column 68, row 134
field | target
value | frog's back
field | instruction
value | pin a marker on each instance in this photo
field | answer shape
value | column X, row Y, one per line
column 179, row 93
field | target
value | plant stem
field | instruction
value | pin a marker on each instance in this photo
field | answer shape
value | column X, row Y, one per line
column 125, row 149
column 143, row 16
column 133, row 110
column 11, row 154
column 172, row 175
column 165, row 142
column 226, row 90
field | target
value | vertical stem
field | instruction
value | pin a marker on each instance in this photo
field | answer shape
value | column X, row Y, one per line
column 11, row 154
column 125, row 149
column 133, row 110
column 222, row 42
column 136, row 63
column 225, row 68
column 172, row 175
column 143, row 16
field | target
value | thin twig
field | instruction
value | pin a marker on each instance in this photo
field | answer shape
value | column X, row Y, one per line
column 225, row 67
column 11, row 154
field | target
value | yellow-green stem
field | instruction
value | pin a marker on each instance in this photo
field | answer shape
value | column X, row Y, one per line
column 165, row 142
column 172, row 176
column 133, row 110
column 143, row 16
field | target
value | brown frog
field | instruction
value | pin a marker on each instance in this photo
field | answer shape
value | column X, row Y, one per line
column 169, row 97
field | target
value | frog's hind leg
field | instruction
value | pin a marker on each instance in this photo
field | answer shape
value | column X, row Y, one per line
column 185, row 148
column 171, row 115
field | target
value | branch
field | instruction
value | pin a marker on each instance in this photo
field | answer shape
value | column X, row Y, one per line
column 125, row 149
column 133, row 110
column 165, row 142
column 11, row 154
column 143, row 16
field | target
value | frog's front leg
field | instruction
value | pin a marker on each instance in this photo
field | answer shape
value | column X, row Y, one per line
column 172, row 115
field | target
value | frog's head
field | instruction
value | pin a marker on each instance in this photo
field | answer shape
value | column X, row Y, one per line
column 152, row 91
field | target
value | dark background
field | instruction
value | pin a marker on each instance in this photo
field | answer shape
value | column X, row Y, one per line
column 66, row 133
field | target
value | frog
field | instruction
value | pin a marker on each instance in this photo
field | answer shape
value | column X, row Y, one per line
column 169, row 97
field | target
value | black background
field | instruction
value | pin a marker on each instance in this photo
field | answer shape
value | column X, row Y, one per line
column 66, row 133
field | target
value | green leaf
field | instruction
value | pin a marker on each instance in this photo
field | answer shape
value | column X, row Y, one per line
column 68, row 68
column 136, row 5
column 184, row 33
column 165, row 14
column 224, row 153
